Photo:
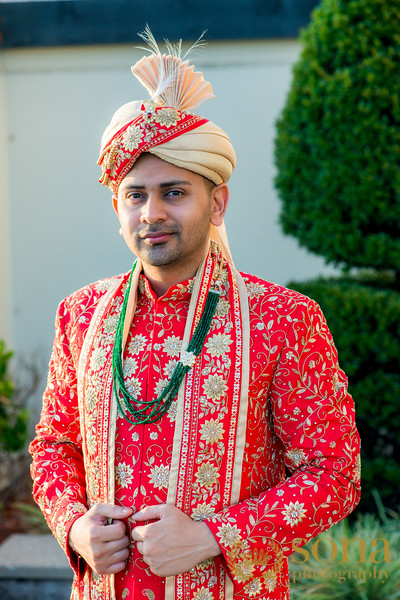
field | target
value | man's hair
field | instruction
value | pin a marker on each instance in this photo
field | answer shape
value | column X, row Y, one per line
column 208, row 184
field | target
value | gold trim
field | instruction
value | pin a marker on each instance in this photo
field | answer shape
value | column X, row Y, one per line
column 244, row 397
column 111, row 469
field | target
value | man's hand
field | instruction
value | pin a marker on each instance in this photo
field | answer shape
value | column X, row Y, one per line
column 104, row 547
column 174, row 543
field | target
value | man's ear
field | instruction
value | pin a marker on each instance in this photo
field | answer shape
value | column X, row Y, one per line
column 115, row 204
column 219, row 203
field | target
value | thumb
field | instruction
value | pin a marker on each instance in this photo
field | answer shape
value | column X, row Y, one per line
column 110, row 511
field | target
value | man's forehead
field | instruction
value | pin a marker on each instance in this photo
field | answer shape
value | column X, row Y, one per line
column 142, row 183
column 151, row 170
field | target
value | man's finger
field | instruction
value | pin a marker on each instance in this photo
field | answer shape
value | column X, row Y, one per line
column 111, row 533
column 154, row 511
column 110, row 511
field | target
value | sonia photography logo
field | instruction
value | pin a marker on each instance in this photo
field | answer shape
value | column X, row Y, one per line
column 363, row 564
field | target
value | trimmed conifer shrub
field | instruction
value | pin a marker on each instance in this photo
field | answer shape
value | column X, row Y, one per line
column 338, row 142
column 338, row 159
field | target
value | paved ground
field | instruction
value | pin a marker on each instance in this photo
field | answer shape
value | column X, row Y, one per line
column 33, row 567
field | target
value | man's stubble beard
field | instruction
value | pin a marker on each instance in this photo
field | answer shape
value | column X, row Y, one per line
column 159, row 256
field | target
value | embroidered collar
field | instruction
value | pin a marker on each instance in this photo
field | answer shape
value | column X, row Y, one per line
column 179, row 291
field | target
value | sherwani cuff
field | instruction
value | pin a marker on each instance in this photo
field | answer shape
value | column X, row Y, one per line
column 77, row 563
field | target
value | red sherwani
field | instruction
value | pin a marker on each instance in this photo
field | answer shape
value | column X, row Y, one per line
column 245, row 411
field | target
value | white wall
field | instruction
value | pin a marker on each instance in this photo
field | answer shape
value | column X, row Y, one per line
column 6, row 326
column 61, row 231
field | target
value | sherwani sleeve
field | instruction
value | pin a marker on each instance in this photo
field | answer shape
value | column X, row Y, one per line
column 57, row 467
column 313, row 416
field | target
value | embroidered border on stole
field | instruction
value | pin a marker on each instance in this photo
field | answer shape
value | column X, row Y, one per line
column 243, row 404
column 244, row 397
column 107, row 441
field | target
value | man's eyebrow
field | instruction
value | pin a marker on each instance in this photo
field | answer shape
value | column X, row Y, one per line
column 162, row 185
column 174, row 182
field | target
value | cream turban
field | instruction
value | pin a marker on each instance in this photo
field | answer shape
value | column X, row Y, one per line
column 199, row 146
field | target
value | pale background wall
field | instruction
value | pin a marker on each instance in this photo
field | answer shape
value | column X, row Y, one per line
column 57, row 228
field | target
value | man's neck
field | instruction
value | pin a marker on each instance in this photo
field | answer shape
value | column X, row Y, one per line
column 160, row 282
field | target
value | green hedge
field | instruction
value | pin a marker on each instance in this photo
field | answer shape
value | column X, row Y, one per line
column 338, row 138
column 13, row 418
column 365, row 323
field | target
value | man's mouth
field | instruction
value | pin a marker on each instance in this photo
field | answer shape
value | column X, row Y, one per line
column 156, row 237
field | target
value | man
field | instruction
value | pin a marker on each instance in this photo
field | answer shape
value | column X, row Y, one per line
column 178, row 392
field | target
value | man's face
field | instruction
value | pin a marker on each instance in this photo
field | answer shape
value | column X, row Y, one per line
column 165, row 213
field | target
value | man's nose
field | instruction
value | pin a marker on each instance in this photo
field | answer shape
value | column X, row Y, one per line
column 153, row 211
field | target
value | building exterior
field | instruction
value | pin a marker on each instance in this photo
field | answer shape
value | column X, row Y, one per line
column 64, row 69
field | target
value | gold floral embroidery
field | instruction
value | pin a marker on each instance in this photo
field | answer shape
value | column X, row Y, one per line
column 124, row 475
column 202, row 512
column 167, row 117
column 132, row 137
column 173, row 409
column 169, row 368
column 134, row 387
column 214, row 387
column 294, row 513
column 207, row 474
column 91, row 398
column 253, row 588
column 203, row 594
column 160, row 386
column 110, row 324
column 98, row 358
column 91, row 442
column 211, row 431
column 255, row 290
column 137, row 344
column 172, row 345
column 218, row 344
column 222, row 308
column 229, row 535
column 357, row 470
column 296, row 456
column 159, row 476
column 243, row 570
column 130, row 366
column 270, row 580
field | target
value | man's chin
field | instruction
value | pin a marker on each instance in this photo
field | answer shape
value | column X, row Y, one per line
column 158, row 258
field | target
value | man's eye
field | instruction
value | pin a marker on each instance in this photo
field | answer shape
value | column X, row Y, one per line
column 135, row 196
column 174, row 193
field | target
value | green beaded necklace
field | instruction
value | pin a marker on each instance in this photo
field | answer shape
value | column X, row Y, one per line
column 140, row 411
